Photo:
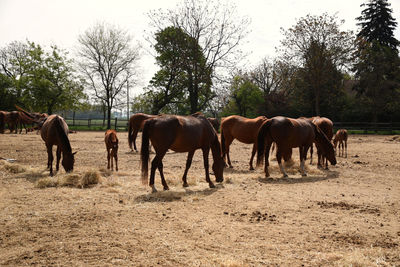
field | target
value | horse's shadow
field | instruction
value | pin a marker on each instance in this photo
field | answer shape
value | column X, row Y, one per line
column 306, row 179
column 170, row 196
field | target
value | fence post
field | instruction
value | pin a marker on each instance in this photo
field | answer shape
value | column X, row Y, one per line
column 89, row 122
column 116, row 120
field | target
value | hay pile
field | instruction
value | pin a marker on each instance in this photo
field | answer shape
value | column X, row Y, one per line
column 87, row 179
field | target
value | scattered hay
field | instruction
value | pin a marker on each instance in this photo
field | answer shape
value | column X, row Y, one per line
column 12, row 167
column 87, row 179
column 105, row 172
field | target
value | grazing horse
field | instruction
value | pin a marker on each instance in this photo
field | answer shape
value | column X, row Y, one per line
column 215, row 123
column 180, row 134
column 326, row 127
column 288, row 133
column 2, row 121
column 243, row 129
column 136, row 122
column 111, row 141
column 341, row 138
column 12, row 119
column 54, row 131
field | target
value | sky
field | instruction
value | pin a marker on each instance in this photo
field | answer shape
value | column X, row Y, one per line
column 60, row 22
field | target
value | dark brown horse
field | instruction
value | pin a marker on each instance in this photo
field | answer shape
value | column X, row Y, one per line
column 11, row 118
column 243, row 129
column 288, row 133
column 215, row 123
column 54, row 131
column 2, row 121
column 180, row 134
column 341, row 138
column 326, row 127
column 136, row 122
column 111, row 141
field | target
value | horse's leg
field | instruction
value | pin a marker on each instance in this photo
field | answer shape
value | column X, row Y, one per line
column 253, row 152
column 50, row 159
column 160, row 169
column 206, row 151
column 279, row 159
column 228, row 142
column 58, row 157
column 188, row 163
column 345, row 145
column 116, row 160
column 112, row 159
column 311, row 152
column 266, row 156
column 134, row 135
column 303, row 155
column 108, row 158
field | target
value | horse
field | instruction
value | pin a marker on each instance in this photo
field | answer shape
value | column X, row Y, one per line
column 54, row 131
column 136, row 122
column 326, row 126
column 341, row 138
column 215, row 123
column 12, row 119
column 243, row 129
column 180, row 134
column 288, row 133
column 2, row 121
column 111, row 141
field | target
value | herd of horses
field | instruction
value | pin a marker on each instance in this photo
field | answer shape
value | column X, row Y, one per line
column 192, row 132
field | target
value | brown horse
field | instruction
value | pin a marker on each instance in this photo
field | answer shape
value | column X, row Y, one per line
column 111, row 141
column 136, row 122
column 2, row 121
column 288, row 133
column 326, row 127
column 54, row 131
column 341, row 138
column 243, row 129
column 180, row 134
column 215, row 123
column 12, row 119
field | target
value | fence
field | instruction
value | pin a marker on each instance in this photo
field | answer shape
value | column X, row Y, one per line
column 122, row 125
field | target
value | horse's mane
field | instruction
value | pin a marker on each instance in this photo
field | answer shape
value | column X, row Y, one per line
column 63, row 136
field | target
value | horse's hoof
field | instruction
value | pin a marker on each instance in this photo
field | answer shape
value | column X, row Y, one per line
column 251, row 169
column 285, row 176
column 185, row 185
column 267, row 175
column 166, row 188
column 304, row 174
column 212, row 185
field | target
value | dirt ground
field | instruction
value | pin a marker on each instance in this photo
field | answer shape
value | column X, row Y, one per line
column 346, row 216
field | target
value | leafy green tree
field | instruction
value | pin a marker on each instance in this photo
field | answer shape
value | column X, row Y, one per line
column 246, row 97
column 377, row 65
column 318, row 46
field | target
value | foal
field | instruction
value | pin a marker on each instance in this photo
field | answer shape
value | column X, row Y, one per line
column 111, row 141
column 341, row 138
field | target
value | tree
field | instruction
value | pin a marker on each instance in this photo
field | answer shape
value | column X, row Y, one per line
column 214, row 28
column 40, row 80
column 377, row 63
column 246, row 97
column 107, row 61
column 317, row 44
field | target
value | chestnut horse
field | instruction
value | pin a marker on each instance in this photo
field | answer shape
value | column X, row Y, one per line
column 215, row 123
column 54, row 131
column 11, row 118
column 288, row 133
column 136, row 122
column 180, row 134
column 111, row 141
column 341, row 138
column 326, row 127
column 243, row 129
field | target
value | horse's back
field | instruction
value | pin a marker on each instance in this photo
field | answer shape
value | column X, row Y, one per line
column 49, row 129
column 291, row 132
column 241, row 128
column 326, row 125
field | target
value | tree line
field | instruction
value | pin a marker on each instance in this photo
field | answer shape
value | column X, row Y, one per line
column 318, row 69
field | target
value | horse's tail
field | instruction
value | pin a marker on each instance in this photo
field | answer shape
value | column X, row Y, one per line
column 144, row 151
column 2, row 122
column 130, row 135
column 262, row 132
column 66, row 146
column 223, row 149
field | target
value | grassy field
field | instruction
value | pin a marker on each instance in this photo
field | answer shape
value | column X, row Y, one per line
column 345, row 216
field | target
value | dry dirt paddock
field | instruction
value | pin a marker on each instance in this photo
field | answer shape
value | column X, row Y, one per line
column 346, row 216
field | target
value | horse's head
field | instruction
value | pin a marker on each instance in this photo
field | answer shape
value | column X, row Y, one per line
column 218, row 169
column 68, row 161
column 325, row 145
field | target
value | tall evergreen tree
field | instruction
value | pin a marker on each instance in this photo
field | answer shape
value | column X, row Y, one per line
column 377, row 61
column 377, row 24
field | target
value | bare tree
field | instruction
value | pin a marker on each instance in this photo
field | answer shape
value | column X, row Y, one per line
column 214, row 26
column 107, row 61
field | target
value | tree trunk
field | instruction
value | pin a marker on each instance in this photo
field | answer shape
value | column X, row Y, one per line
column 108, row 117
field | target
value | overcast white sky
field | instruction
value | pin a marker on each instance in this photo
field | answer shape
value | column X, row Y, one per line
column 61, row 21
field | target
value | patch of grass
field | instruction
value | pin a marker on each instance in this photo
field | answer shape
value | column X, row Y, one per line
column 12, row 167
column 77, row 180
